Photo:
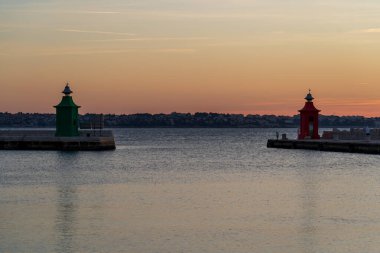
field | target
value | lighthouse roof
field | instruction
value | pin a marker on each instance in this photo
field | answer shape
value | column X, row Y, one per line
column 309, row 106
column 67, row 100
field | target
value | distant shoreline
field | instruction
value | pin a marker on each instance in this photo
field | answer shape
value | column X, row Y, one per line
column 186, row 120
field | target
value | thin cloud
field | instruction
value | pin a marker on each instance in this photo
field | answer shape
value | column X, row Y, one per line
column 61, row 11
column 11, row 27
column 203, row 15
column 91, row 52
column 230, row 43
column 95, row 12
column 350, row 102
column 79, row 52
column 370, row 30
column 153, row 39
column 94, row 32
column 175, row 50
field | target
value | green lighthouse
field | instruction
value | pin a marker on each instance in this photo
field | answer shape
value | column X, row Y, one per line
column 67, row 123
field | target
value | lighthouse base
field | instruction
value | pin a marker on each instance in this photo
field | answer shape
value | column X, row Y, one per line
column 46, row 140
column 360, row 146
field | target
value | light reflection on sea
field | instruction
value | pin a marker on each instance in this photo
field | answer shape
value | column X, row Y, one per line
column 189, row 190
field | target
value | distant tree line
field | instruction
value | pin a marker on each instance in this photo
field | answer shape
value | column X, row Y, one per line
column 183, row 120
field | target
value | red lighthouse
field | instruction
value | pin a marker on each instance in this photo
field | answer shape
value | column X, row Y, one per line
column 309, row 120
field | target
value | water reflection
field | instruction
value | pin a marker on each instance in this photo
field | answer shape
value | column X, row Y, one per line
column 65, row 223
column 67, row 202
column 309, row 228
column 309, row 198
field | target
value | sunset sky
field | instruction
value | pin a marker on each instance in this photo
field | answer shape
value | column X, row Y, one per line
column 232, row 56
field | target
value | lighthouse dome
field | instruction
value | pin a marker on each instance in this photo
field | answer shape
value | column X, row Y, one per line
column 67, row 91
column 309, row 97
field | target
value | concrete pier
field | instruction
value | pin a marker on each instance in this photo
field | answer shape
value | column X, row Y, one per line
column 46, row 140
column 351, row 146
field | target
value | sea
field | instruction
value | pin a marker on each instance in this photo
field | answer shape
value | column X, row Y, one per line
column 190, row 190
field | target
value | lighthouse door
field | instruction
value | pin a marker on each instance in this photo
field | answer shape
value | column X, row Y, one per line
column 311, row 126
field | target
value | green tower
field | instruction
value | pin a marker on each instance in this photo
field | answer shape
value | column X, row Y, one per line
column 67, row 123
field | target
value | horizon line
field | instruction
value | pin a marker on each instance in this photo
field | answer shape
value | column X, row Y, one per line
column 193, row 113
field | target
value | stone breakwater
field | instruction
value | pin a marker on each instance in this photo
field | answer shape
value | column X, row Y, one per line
column 352, row 146
column 46, row 140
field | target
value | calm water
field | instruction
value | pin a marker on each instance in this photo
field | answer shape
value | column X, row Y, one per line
column 190, row 190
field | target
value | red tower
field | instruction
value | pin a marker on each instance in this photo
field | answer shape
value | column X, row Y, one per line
column 309, row 120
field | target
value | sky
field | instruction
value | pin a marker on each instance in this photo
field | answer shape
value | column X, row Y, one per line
column 228, row 56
